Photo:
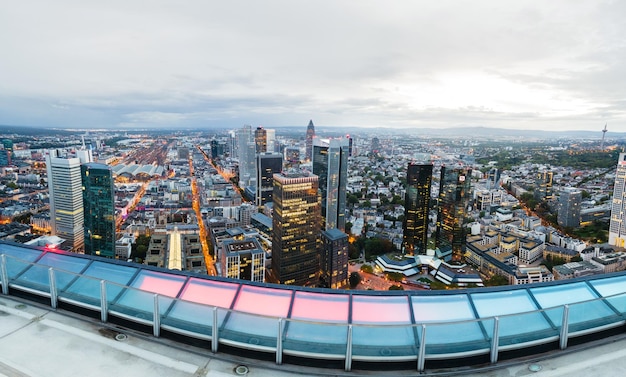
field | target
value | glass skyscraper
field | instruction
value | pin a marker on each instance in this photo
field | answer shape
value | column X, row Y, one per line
column 99, row 209
column 296, row 229
column 334, row 259
column 416, row 202
column 267, row 164
column 454, row 196
column 330, row 164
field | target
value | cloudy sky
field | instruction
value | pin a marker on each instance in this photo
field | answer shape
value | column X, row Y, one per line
column 117, row 64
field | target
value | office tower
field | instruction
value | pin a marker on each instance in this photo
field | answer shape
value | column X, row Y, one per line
column 296, row 229
column 6, row 154
column 617, row 227
column 543, row 183
column 416, row 207
column 493, row 178
column 243, row 259
column 267, row 165
column 569, row 208
column 349, row 145
column 66, row 199
column 375, row 145
column 260, row 139
column 246, row 150
column 454, row 196
column 330, row 164
column 310, row 134
column 271, row 140
column 292, row 156
column 98, row 209
column 334, row 259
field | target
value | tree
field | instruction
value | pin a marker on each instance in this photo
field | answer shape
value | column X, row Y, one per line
column 395, row 276
column 353, row 251
column 348, row 227
column 496, row 280
column 396, row 288
column 367, row 268
column 354, row 279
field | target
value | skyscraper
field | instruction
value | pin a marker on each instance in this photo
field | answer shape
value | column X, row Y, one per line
column 310, row 133
column 543, row 181
column 617, row 227
column 98, row 209
column 568, row 214
column 296, row 229
column 416, row 203
column 267, row 164
column 260, row 139
column 330, row 164
column 334, row 259
column 66, row 199
column 454, row 195
column 246, row 153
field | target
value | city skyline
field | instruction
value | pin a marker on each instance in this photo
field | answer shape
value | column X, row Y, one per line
column 524, row 65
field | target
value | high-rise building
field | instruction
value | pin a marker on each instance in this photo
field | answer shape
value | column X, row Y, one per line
column 296, row 229
column 617, row 227
column 66, row 199
column 334, row 259
column 543, row 189
column 454, row 196
column 243, row 259
column 416, row 207
column 568, row 214
column 376, row 145
column 310, row 134
column 271, row 140
column 98, row 209
column 349, row 145
column 330, row 164
column 493, row 178
column 246, row 150
column 267, row 164
column 260, row 139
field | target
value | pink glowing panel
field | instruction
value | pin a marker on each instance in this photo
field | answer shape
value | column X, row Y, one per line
column 212, row 293
column 441, row 308
column 321, row 307
column 156, row 282
column 380, row 309
column 264, row 301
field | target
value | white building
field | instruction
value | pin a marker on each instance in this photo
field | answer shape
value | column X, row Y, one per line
column 617, row 228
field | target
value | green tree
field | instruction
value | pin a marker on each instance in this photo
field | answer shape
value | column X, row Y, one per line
column 496, row 280
column 395, row 276
column 354, row 279
column 396, row 288
column 367, row 268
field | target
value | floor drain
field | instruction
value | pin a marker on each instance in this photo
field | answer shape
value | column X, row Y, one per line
column 241, row 370
column 121, row 337
column 534, row 367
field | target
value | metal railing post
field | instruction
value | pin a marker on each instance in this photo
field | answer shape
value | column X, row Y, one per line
column 564, row 328
column 348, row 365
column 53, row 288
column 214, row 334
column 104, row 303
column 421, row 356
column 156, row 318
column 279, row 342
column 495, row 340
column 4, row 276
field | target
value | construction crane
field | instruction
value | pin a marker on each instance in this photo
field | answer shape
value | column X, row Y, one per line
column 603, row 134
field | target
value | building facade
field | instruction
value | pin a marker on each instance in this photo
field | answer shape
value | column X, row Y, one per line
column 568, row 214
column 617, row 227
column 66, row 199
column 416, row 208
column 334, row 259
column 310, row 134
column 296, row 226
column 543, row 183
column 260, row 139
column 453, row 202
column 267, row 164
column 243, row 259
column 330, row 164
column 98, row 209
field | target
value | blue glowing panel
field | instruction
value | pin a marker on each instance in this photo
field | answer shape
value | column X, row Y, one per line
column 582, row 312
column 447, row 311
column 18, row 258
column 66, row 269
column 506, row 303
column 87, row 287
column 613, row 290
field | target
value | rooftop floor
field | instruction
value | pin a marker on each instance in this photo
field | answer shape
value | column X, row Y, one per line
column 39, row 341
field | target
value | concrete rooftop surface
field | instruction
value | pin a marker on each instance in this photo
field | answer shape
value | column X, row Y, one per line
column 36, row 341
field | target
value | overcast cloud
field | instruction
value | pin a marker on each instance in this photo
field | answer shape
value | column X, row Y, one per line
column 513, row 64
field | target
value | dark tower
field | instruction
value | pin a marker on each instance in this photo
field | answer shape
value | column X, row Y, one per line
column 416, row 203
column 310, row 133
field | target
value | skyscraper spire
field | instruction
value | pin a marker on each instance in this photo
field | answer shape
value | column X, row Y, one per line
column 310, row 133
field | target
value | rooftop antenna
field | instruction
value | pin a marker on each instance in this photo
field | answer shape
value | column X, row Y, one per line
column 603, row 134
